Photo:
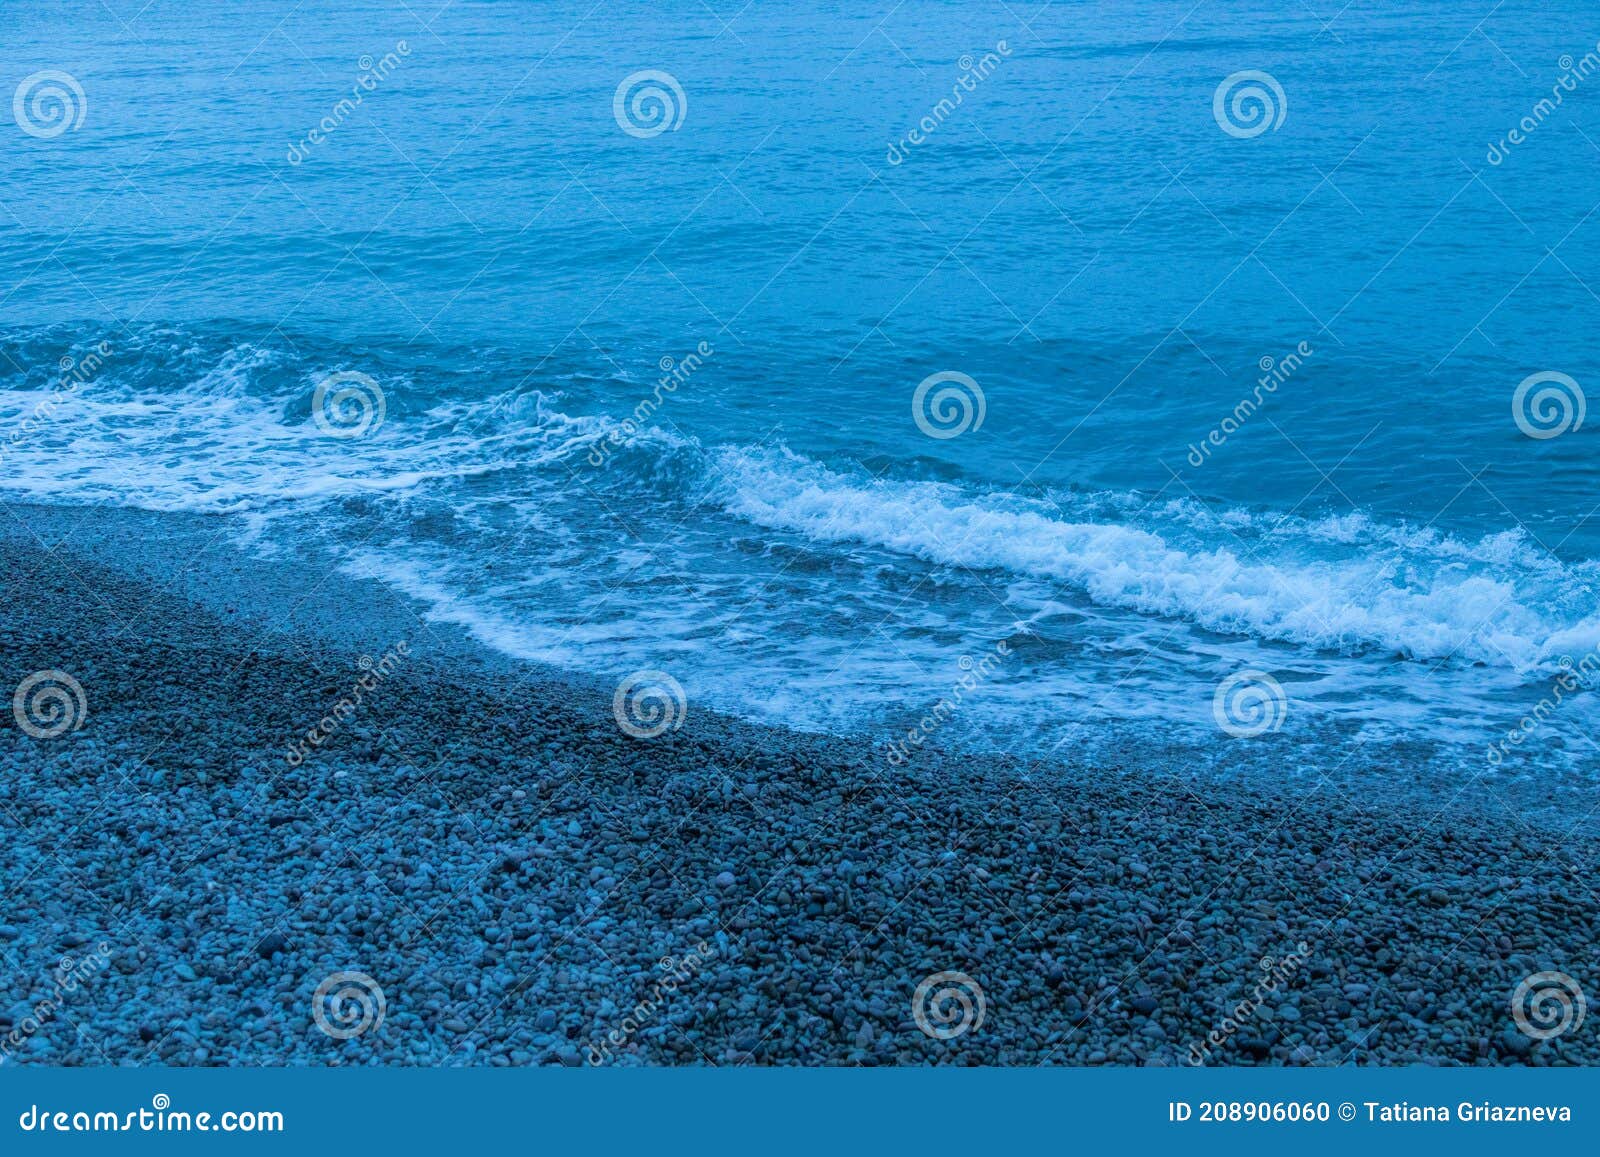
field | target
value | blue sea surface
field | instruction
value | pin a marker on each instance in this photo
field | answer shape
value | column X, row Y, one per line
column 633, row 371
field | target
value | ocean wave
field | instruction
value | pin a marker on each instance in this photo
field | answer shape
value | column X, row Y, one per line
column 1418, row 599
column 191, row 421
column 187, row 420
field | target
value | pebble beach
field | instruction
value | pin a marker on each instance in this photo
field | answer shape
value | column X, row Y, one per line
column 471, row 863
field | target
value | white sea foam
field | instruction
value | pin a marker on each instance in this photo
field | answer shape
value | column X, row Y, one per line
column 212, row 448
column 1350, row 582
column 1417, row 599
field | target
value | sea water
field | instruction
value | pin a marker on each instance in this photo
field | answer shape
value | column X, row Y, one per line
column 999, row 374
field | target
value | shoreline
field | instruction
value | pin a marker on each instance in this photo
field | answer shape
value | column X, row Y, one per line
column 480, row 841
